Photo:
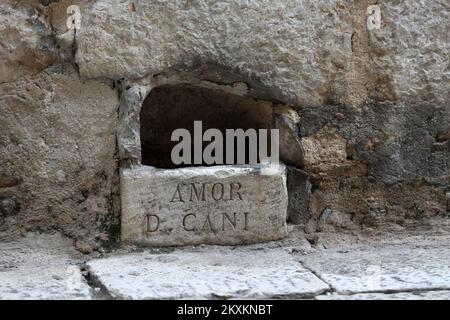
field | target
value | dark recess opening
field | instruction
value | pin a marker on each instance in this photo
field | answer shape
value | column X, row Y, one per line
column 170, row 107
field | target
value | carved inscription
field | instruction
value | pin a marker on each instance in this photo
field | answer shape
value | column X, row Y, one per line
column 151, row 223
column 211, row 222
column 224, row 205
column 220, row 222
column 207, row 191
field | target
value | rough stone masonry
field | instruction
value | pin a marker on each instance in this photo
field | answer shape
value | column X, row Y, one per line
column 369, row 107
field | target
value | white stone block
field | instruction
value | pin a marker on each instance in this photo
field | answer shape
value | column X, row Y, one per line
column 226, row 205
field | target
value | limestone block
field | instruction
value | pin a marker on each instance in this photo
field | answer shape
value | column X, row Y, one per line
column 224, row 205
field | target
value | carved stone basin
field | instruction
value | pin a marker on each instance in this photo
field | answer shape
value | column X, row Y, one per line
column 224, row 205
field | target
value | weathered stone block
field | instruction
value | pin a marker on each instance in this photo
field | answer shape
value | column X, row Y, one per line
column 286, row 120
column 225, row 205
column 286, row 63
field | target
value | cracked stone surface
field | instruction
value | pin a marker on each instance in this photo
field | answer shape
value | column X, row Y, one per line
column 206, row 273
column 367, row 269
column 41, row 267
column 407, row 265
column 301, row 45
column 427, row 295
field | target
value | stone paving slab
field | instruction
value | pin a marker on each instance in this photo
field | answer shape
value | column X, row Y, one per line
column 427, row 295
column 206, row 273
column 382, row 269
column 43, row 266
column 40, row 267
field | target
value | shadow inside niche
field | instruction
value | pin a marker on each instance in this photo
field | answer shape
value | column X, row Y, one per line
column 170, row 107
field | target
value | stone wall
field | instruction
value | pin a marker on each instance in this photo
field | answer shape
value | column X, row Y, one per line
column 373, row 105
